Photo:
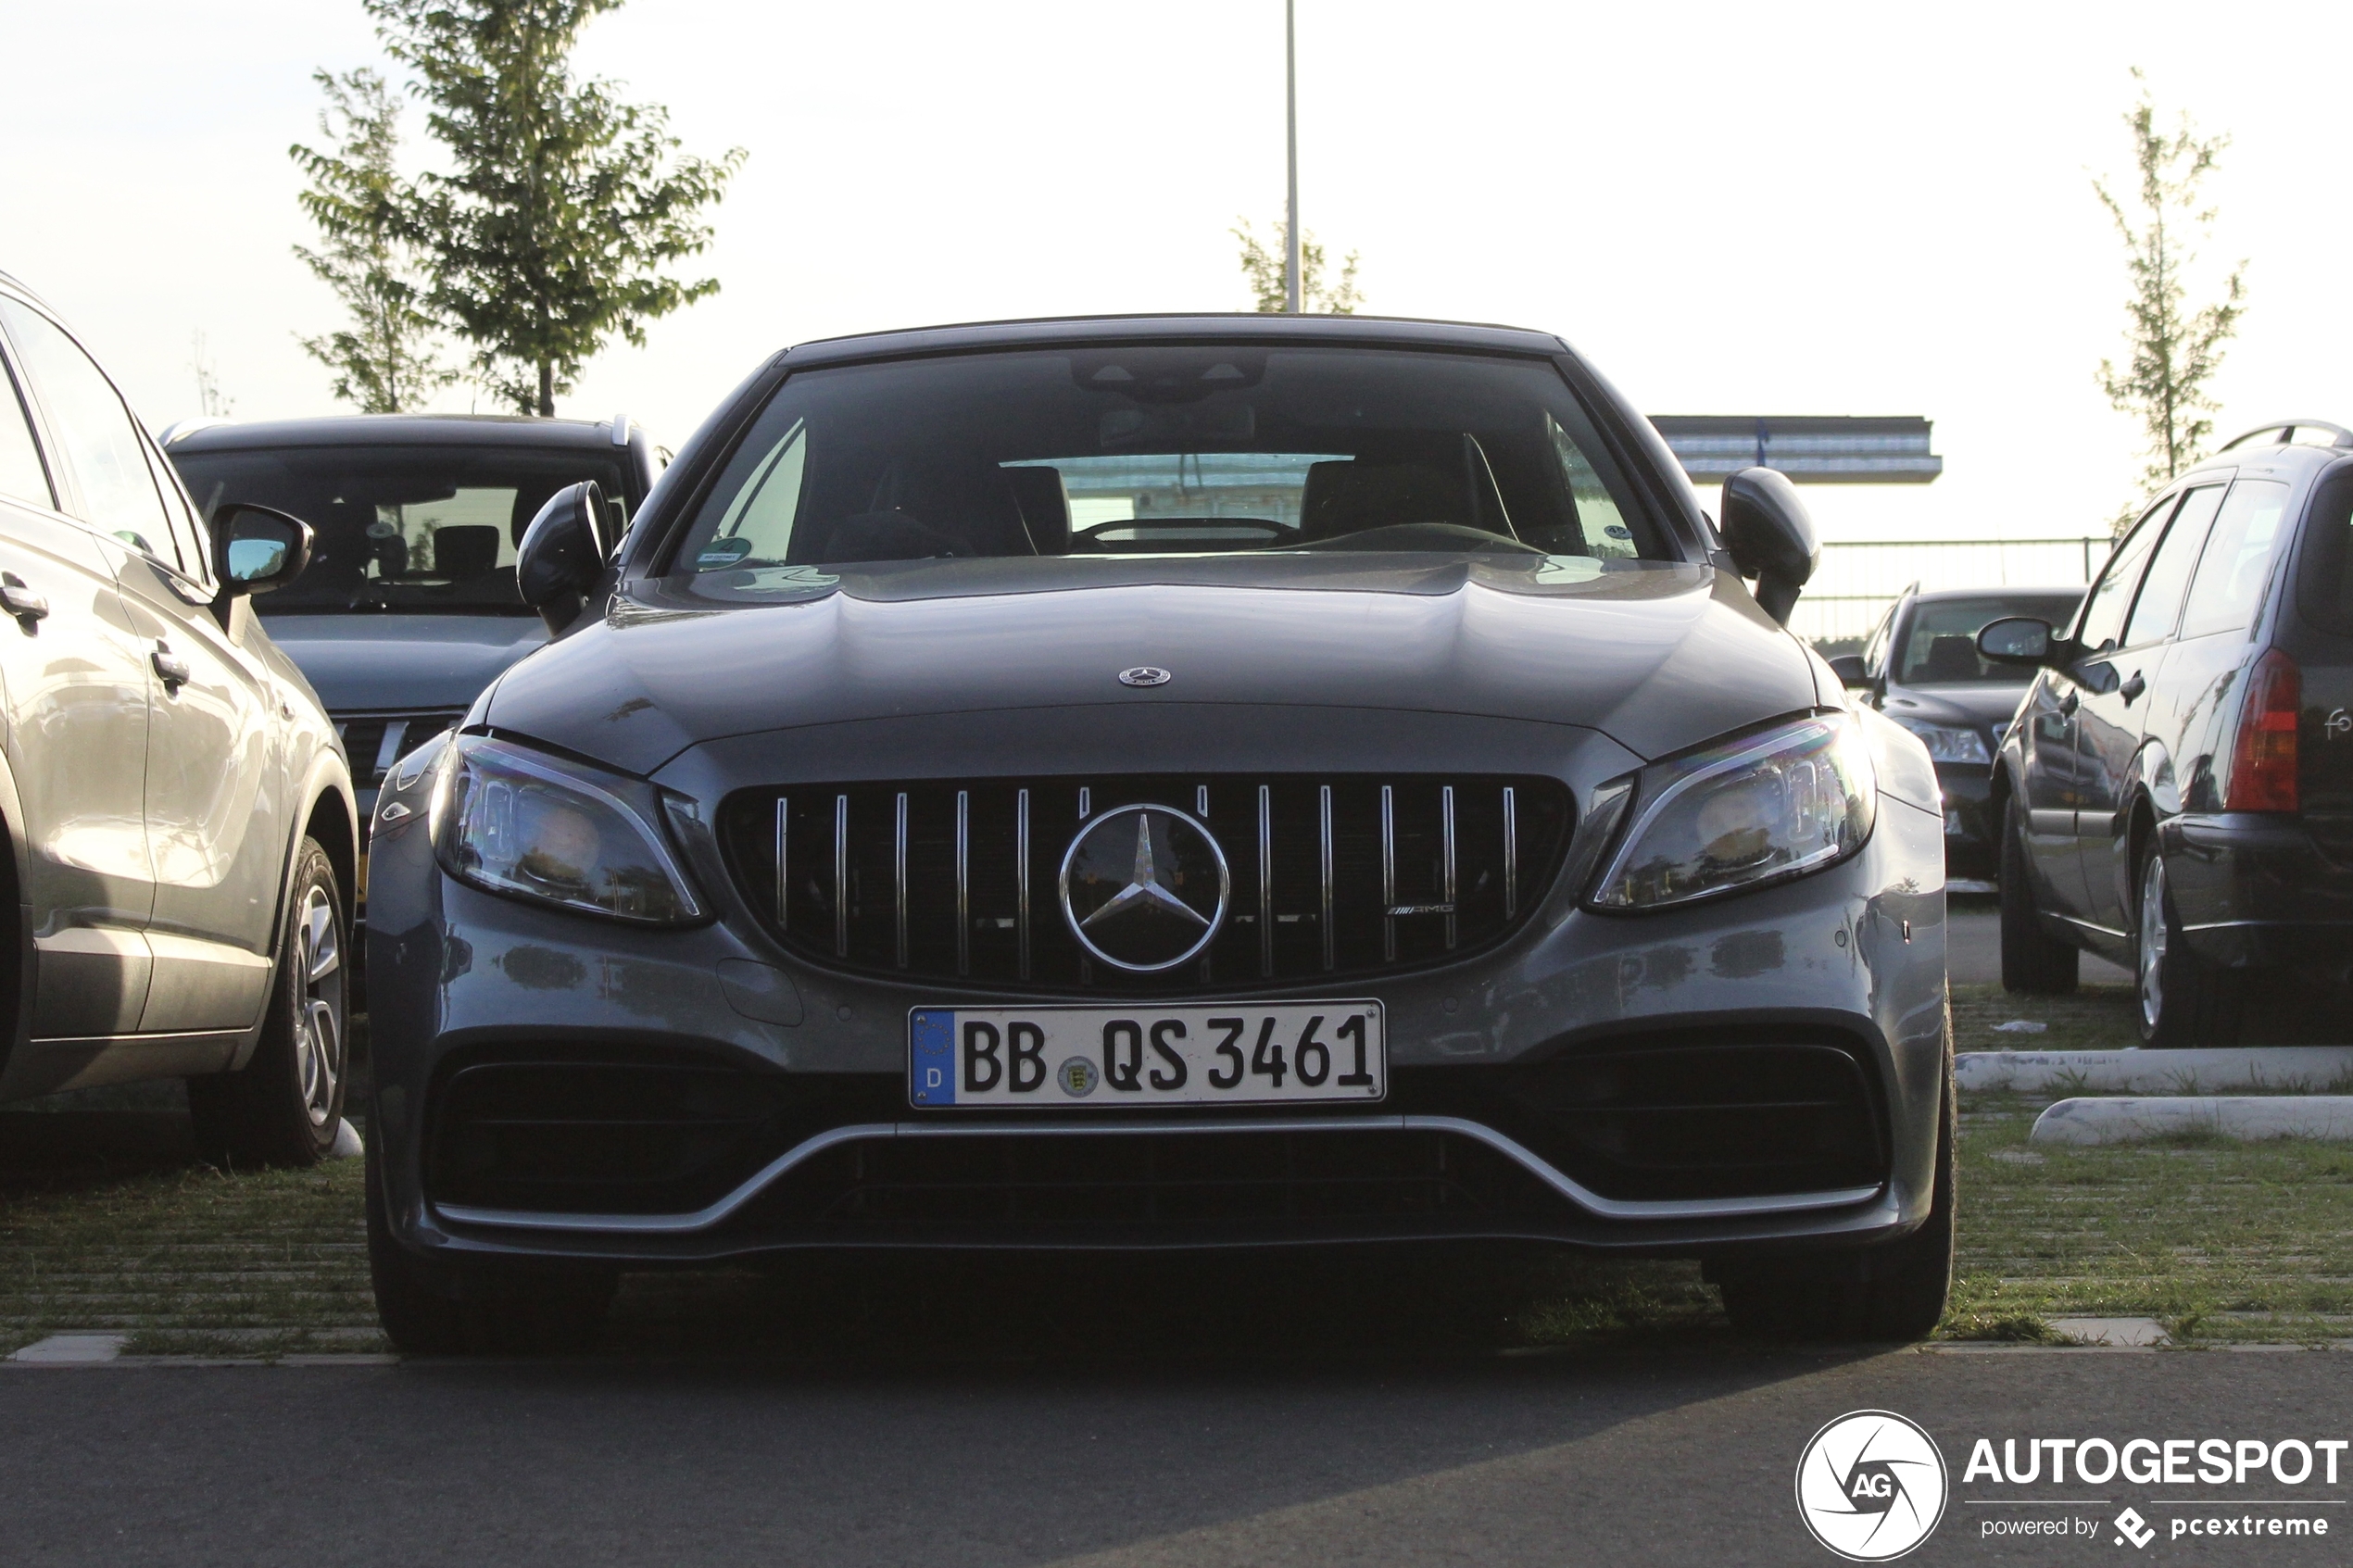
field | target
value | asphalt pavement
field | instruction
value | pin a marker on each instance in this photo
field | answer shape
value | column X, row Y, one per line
column 1666, row 1456
column 1973, row 948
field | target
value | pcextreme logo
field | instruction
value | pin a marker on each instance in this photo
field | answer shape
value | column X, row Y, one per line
column 1871, row 1486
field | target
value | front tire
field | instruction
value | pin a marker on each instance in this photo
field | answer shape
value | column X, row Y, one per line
column 1878, row 1294
column 428, row 1310
column 2182, row 999
column 285, row 1105
column 2033, row 961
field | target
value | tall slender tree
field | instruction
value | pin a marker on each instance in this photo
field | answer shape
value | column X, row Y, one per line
column 389, row 358
column 2175, row 348
column 561, row 209
column 1262, row 269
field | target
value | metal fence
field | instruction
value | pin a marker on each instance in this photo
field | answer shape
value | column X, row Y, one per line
column 1857, row 580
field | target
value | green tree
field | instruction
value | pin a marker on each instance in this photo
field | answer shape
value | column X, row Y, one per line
column 387, row 360
column 2175, row 349
column 1262, row 267
column 562, row 207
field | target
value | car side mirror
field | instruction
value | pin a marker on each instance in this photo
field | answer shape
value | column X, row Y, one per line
column 1852, row 671
column 1770, row 537
column 259, row 548
column 2017, row 639
column 562, row 553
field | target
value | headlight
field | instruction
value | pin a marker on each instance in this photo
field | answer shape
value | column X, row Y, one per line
column 1757, row 808
column 1947, row 742
column 519, row 823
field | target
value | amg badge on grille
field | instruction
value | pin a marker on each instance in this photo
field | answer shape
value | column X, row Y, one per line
column 1144, row 888
column 1145, row 675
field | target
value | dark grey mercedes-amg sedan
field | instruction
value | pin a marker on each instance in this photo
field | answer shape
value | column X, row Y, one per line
column 1162, row 782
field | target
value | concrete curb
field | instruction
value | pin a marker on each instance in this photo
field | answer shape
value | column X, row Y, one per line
column 2296, row 1067
column 2245, row 1119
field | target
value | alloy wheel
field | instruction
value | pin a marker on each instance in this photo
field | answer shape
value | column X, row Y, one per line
column 317, row 1019
column 2151, row 953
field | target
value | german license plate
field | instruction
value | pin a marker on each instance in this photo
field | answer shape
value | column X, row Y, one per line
column 1211, row 1053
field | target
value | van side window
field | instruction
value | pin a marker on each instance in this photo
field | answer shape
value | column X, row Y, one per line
column 21, row 475
column 94, row 432
column 2160, row 605
column 2103, row 620
column 2229, row 586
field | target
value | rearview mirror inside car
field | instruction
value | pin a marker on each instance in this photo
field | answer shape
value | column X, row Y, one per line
column 1770, row 536
column 1851, row 671
column 2016, row 639
column 563, row 552
column 260, row 547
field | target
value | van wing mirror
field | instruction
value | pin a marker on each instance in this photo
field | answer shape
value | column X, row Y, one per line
column 2017, row 639
column 259, row 548
column 563, row 552
column 1770, row 536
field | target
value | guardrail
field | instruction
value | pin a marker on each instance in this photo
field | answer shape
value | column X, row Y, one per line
column 1858, row 579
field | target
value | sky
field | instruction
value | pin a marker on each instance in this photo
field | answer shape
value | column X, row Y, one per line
column 1798, row 208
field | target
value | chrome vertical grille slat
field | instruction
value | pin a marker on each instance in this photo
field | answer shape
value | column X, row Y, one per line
column 1511, row 852
column 963, row 881
column 784, row 863
column 1324, row 857
column 1265, row 881
column 898, row 877
column 1388, row 874
column 1332, row 875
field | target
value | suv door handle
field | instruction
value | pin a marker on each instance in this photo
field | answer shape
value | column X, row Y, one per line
column 170, row 665
column 20, row 600
column 2134, row 688
column 2068, row 703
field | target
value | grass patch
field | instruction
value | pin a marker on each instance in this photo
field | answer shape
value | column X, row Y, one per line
column 2220, row 1241
column 2097, row 1018
column 188, row 1261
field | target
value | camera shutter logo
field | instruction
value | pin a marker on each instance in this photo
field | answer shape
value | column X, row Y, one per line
column 1871, row 1486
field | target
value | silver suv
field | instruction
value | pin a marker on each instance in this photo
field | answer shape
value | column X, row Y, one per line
column 179, row 812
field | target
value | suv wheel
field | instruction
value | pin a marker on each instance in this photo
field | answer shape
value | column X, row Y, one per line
column 2033, row 961
column 1877, row 1294
column 2182, row 1000
column 285, row 1106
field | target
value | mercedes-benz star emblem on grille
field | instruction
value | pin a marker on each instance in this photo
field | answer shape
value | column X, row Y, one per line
column 1145, row 887
column 1145, row 675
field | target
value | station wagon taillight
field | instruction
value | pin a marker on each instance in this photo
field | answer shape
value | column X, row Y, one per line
column 2263, row 759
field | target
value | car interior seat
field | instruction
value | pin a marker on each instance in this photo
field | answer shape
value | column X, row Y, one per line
column 1044, row 505
column 1949, row 658
column 464, row 550
column 1353, row 495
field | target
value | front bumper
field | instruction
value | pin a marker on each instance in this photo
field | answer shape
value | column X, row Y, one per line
column 1853, row 957
column 2255, row 890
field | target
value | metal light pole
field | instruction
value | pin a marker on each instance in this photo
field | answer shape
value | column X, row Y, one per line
column 1290, row 124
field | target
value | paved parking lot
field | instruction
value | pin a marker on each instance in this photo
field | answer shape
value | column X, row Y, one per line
column 1683, row 1456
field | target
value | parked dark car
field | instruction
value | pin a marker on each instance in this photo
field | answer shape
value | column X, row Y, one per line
column 1162, row 782
column 408, row 608
column 182, row 831
column 1921, row 668
column 2178, row 792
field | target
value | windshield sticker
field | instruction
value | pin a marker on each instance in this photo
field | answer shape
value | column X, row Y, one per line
column 1568, row 569
column 722, row 552
column 780, row 580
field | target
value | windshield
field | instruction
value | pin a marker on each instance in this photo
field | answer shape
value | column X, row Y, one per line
column 1167, row 450
column 1940, row 645
column 398, row 528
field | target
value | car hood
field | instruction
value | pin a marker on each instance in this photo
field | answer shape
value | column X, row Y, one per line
column 358, row 662
column 1657, row 656
column 1985, row 705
